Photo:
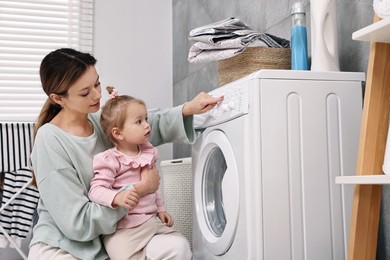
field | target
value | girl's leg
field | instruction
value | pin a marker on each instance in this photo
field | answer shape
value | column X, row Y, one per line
column 44, row 251
column 167, row 244
column 130, row 243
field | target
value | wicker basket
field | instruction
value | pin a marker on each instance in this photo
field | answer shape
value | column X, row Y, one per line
column 251, row 60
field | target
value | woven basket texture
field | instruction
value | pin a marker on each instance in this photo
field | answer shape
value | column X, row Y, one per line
column 251, row 60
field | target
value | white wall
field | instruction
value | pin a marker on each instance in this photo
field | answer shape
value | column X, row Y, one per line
column 133, row 46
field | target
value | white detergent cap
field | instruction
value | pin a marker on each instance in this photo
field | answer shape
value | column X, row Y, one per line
column 297, row 8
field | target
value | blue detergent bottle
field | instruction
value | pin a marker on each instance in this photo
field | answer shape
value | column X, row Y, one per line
column 298, row 37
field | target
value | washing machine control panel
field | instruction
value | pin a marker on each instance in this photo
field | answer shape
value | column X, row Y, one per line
column 234, row 104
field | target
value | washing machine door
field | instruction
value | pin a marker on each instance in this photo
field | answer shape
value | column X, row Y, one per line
column 216, row 192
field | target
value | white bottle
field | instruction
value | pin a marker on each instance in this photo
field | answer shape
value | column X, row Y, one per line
column 324, row 44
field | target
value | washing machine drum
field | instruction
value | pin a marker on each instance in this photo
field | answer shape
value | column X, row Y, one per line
column 216, row 192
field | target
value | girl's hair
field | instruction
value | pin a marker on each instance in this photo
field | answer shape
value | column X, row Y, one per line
column 59, row 70
column 114, row 113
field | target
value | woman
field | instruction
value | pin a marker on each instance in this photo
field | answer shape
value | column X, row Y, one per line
column 68, row 135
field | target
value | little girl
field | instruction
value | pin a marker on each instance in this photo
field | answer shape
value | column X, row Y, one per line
column 124, row 121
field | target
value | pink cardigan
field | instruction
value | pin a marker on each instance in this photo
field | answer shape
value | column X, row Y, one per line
column 113, row 170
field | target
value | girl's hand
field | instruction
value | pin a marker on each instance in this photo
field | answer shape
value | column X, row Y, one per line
column 166, row 218
column 127, row 199
column 200, row 104
column 150, row 181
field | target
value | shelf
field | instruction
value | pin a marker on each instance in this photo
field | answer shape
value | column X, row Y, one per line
column 363, row 179
column 376, row 32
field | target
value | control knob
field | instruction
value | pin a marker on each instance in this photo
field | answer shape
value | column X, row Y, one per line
column 225, row 107
column 213, row 113
column 231, row 104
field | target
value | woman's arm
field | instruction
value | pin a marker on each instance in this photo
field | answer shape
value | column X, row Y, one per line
column 64, row 193
column 175, row 124
column 202, row 103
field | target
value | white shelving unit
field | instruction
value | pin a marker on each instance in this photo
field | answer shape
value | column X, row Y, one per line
column 376, row 32
column 364, row 179
column 366, row 204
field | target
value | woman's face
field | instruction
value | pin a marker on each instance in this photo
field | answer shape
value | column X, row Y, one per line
column 85, row 94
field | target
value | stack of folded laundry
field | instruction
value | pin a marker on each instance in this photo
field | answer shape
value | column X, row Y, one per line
column 227, row 38
column 382, row 8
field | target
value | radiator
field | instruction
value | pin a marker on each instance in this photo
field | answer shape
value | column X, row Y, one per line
column 177, row 188
column 15, row 146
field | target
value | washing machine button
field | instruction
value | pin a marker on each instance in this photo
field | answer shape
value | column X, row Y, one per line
column 225, row 107
column 231, row 104
column 213, row 113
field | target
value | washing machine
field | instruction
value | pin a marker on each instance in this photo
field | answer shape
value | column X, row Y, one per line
column 265, row 163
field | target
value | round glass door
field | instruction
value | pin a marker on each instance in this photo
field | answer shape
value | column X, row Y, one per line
column 214, row 172
column 216, row 192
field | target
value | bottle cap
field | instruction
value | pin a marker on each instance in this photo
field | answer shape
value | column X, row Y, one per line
column 297, row 7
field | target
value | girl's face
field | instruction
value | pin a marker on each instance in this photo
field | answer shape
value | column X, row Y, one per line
column 84, row 95
column 136, row 129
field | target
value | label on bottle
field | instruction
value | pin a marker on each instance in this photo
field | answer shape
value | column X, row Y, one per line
column 299, row 48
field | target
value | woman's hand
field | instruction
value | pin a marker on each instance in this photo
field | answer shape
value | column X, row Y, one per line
column 127, row 199
column 165, row 218
column 200, row 104
column 150, row 181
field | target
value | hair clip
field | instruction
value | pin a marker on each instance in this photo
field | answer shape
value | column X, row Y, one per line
column 114, row 93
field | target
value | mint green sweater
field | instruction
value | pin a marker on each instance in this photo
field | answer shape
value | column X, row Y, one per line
column 63, row 167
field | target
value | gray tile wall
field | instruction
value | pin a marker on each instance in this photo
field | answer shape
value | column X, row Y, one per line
column 272, row 17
